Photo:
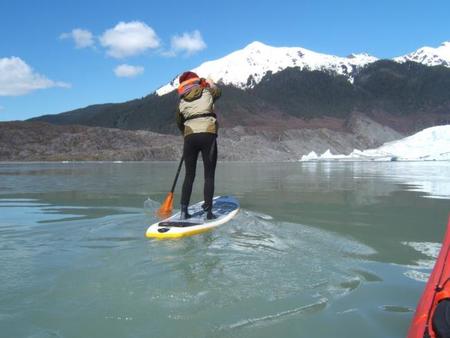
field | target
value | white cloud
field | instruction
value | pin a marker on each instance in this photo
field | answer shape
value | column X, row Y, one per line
column 128, row 70
column 169, row 53
column 18, row 78
column 82, row 37
column 128, row 39
column 189, row 43
column 1, row 108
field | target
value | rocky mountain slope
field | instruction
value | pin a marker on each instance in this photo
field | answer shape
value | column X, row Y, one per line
column 40, row 141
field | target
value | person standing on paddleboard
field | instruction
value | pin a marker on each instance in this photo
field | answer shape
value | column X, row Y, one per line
column 198, row 123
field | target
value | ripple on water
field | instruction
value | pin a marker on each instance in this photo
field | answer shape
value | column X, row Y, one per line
column 421, row 270
column 254, row 258
column 396, row 309
column 276, row 317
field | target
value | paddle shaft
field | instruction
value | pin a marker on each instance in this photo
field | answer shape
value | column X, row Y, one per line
column 176, row 176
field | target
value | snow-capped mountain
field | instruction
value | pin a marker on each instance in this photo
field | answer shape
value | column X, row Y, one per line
column 430, row 144
column 246, row 67
column 429, row 56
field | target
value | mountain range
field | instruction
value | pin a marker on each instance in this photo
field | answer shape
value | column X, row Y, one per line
column 246, row 67
column 296, row 95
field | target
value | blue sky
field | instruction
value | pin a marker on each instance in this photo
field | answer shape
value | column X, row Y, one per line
column 61, row 55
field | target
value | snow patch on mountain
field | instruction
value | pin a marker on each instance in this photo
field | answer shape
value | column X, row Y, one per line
column 246, row 67
column 429, row 56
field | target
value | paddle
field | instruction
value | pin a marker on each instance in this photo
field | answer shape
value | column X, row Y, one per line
column 167, row 206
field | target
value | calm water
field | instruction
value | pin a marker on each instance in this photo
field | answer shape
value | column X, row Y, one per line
column 318, row 250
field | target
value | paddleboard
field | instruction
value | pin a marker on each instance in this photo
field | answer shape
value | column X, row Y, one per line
column 224, row 207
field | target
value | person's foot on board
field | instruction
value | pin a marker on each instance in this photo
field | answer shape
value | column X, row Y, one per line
column 184, row 214
column 209, row 214
column 208, row 209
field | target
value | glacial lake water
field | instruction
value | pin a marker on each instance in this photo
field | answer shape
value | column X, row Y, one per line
column 317, row 250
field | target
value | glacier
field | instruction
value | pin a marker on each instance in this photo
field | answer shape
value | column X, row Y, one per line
column 430, row 144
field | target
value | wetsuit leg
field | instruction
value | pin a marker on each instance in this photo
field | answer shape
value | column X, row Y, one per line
column 190, row 155
column 209, row 155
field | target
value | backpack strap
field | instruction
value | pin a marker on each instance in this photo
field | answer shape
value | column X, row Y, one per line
column 197, row 116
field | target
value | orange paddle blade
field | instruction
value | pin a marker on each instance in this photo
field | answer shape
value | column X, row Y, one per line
column 167, row 206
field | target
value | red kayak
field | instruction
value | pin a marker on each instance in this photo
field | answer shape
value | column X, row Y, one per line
column 432, row 317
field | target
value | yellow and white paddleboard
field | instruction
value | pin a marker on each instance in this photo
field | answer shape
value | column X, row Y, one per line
column 224, row 207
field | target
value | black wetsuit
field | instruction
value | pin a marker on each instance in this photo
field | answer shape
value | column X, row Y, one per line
column 193, row 145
